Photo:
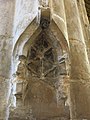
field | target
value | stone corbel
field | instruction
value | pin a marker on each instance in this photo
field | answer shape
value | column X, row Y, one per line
column 45, row 17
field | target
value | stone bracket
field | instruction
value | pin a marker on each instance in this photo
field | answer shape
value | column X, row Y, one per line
column 45, row 17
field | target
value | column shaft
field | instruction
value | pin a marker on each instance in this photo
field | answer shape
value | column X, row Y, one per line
column 80, row 72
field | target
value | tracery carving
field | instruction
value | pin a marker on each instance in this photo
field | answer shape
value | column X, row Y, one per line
column 40, row 72
column 41, row 67
column 41, row 61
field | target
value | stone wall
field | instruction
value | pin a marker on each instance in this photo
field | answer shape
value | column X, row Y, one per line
column 18, row 25
column 24, row 14
column 6, row 27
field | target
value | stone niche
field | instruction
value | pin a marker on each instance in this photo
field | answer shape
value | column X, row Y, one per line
column 40, row 80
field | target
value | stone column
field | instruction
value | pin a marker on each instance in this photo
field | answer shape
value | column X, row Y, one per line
column 58, row 15
column 85, row 24
column 6, row 20
column 4, row 98
column 80, row 71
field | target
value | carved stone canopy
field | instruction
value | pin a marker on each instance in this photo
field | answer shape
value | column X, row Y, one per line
column 42, row 69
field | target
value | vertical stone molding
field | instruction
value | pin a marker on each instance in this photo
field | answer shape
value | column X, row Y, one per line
column 80, row 72
column 58, row 15
column 4, row 97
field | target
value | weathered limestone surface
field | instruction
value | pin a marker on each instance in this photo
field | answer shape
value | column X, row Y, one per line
column 80, row 72
column 4, row 97
column 85, row 25
column 16, row 32
column 25, row 12
column 6, row 19
column 58, row 14
column 5, row 69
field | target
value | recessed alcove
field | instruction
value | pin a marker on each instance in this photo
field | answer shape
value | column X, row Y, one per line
column 41, row 74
